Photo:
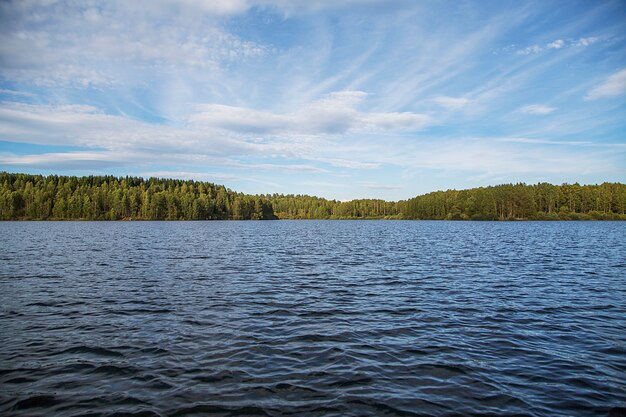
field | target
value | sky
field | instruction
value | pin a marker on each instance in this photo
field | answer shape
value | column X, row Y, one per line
column 341, row 99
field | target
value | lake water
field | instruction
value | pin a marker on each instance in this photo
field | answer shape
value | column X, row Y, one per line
column 311, row 318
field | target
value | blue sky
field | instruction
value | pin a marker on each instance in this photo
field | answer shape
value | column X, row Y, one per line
column 337, row 98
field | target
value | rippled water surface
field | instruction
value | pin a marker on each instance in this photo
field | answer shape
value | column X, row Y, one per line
column 311, row 318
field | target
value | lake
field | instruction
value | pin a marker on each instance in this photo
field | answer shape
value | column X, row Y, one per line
column 332, row 318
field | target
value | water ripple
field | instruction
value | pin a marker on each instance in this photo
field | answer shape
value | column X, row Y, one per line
column 312, row 318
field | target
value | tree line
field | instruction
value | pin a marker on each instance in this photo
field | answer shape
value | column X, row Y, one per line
column 541, row 201
column 37, row 197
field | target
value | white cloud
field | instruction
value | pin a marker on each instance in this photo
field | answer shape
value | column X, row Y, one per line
column 452, row 102
column 392, row 121
column 564, row 142
column 228, row 7
column 86, row 126
column 533, row 49
column 74, row 44
column 585, row 41
column 290, row 7
column 69, row 160
column 342, row 99
column 285, row 168
column 438, row 63
column 557, row 44
column 545, row 141
column 614, row 85
column 349, row 163
column 16, row 93
column 238, row 119
column 213, row 6
column 213, row 134
column 335, row 113
column 537, row 109
column 491, row 159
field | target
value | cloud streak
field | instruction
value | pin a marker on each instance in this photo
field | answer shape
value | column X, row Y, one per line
column 558, row 44
column 115, row 36
column 614, row 85
column 334, row 114
column 540, row 109
column 452, row 102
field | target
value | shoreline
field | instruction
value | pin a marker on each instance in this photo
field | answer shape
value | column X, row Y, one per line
column 328, row 219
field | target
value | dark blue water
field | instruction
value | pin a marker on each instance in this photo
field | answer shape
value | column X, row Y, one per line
column 343, row 318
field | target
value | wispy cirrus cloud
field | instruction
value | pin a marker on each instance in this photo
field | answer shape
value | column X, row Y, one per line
column 214, row 131
column 574, row 143
column 335, row 113
column 557, row 44
column 89, row 45
column 532, row 49
column 613, row 85
column 112, row 44
column 452, row 102
column 349, row 163
column 537, row 109
column 15, row 93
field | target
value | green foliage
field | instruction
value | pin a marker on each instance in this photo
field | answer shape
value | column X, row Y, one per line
column 37, row 197
column 25, row 196
column 522, row 202
column 307, row 207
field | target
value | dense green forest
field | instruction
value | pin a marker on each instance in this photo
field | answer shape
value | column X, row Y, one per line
column 519, row 201
column 52, row 197
column 110, row 198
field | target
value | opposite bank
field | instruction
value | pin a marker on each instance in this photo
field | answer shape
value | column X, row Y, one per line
column 36, row 197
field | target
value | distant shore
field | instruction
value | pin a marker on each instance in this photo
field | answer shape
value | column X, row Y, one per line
column 579, row 219
column 37, row 197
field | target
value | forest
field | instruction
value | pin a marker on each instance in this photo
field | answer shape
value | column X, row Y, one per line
column 52, row 197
